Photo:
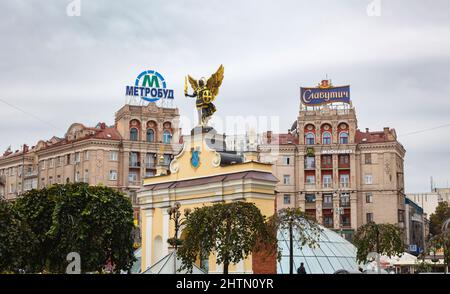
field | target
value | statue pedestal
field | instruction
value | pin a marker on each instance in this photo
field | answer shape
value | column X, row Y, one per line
column 213, row 139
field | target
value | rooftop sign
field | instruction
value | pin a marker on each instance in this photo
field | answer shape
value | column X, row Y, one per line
column 325, row 93
column 150, row 86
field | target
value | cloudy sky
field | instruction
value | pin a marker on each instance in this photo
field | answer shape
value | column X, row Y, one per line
column 56, row 69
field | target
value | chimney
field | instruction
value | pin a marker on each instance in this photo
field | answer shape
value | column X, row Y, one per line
column 367, row 130
column 25, row 148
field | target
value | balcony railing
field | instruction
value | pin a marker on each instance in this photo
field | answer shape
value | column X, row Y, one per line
column 134, row 183
column 345, row 203
column 327, row 205
column 150, row 165
column 32, row 173
column 135, row 164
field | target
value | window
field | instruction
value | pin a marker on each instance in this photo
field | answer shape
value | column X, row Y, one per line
column 369, row 197
column 68, row 159
column 77, row 177
column 328, row 220
column 51, row 162
column 132, row 177
column 59, row 161
column 343, row 138
column 310, row 198
column 287, row 179
column 328, row 199
column 310, row 162
column 134, row 134
column 327, row 181
column 43, row 164
column 369, row 217
column 112, row 175
column 167, row 159
column 134, row 159
column 286, row 160
column 86, row 176
column 149, row 174
column 150, row 160
column 86, row 155
column 401, row 216
column 310, row 179
column 287, row 199
column 167, row 137
column 327, row 160
column 114, row 155
column 77, row 157
column 150, row 135
column 344, row 159
column 58, row 179
column 326, row 138
column 309, row 138
column 368, row 179
column 345, row 200
column 368, row 158
column 50, row 180
column 344, row 180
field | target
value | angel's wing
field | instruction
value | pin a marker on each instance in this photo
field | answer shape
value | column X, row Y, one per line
column 215, row 81
column 193, row 82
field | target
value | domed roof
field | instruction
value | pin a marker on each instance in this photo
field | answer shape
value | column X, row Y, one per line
column 333, row 253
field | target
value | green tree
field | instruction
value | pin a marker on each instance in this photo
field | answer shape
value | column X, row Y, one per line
column 231, row 230
column 15, row 239
column 307, row 231
column 384, row 239
column 95, row 222
column 437, row 218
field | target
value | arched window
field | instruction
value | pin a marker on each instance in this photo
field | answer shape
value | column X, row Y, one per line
column 310, row 139
column 326, row 138
column 134, row 134
column 343, row 138
column 167, row 137
column 150, row 135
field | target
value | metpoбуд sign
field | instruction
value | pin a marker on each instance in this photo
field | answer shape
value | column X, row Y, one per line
column 150, row 86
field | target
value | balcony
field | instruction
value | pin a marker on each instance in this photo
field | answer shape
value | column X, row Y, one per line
column 30, row 174
column 343, row 165
column 150, row 165
column 327, row 205
column 327, row 166
column 134, row 183
column 135, row 164
column 344, row 203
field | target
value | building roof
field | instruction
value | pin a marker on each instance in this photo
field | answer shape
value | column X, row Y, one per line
column 372, row 137
column 255, row 175
column 280, row 139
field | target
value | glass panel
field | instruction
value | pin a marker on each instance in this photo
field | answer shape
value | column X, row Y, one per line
column 314, row 265
column 325, row 264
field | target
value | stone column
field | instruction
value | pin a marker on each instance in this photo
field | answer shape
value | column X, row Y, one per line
column 165, row 232
column 336, row 214
column 148, row 237
column 319, row 207
column 353, row 210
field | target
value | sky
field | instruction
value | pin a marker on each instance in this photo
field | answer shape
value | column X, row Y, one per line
column 57, row 69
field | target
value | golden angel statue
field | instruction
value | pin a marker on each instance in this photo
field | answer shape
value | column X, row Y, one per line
column 205, row 92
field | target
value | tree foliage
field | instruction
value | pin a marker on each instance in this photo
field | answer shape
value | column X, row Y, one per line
column 95, row 222
column 231, row 230
column 441, row 214
column 385, row 239
column 15, row 239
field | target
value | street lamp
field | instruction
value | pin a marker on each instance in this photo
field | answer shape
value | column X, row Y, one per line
column 175, row 215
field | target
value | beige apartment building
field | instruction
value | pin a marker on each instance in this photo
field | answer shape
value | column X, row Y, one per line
column 142, row 140
column 336, row 173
